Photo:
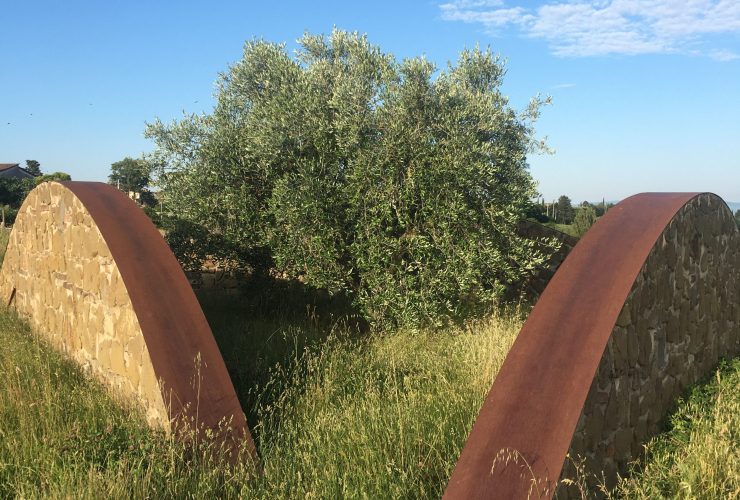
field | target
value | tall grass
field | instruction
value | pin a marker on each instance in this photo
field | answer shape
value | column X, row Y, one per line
column 63, row 436
column 337, row 411
column 380, row 417
column 699, row 456
column 349, row 413
column 4, row 237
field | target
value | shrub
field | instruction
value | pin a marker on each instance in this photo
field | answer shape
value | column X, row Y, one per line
column 13, row 191
column 55, row 176
column 359, row 174
column 584, row 219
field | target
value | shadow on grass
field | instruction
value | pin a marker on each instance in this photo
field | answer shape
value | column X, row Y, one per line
column 267, row 327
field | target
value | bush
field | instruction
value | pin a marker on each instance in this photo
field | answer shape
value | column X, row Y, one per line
column 584, row 219
column 13, row 191
column 359, row 174
column 56, row 176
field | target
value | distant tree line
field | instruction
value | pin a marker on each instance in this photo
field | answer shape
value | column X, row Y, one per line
column 579, row 219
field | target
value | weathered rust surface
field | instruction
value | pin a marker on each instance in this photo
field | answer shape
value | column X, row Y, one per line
column 537, row 397
column 193, row 378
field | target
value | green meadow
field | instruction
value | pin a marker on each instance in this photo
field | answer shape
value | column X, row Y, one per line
column 336, row 411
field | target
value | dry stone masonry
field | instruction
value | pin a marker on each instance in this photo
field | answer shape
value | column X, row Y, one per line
column 90, row 271
column 681, row 316
column 62, row 277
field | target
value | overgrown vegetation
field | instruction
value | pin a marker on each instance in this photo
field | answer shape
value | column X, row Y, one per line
column 390, row 182
column 585, row 218
column 334, row 415
column 699, row 456
column 62, row 436
column 379, row 416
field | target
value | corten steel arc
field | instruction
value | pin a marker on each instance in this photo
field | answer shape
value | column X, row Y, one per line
column 192, row 378
column 174, row 326
column 538, row 395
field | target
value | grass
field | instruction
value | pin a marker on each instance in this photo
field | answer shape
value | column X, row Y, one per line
column 379, row 417
column 699, row 456
column 4, row 237
column 63, row 436
column 564, row 228
column 336, row 410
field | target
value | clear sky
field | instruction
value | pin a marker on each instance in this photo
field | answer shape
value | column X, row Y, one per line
column 646, row 93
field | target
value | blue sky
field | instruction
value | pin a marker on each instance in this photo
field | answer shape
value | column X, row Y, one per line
column 646, row 93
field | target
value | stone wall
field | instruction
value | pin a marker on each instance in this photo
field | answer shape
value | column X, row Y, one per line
column 681, row 316
column 60, row 274
column 90, row 271
column 533, row 287
column 214, row 279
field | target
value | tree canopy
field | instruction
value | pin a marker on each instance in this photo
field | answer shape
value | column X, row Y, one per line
column 14, row 190
column 33, row 167
column 54, row 176
column 130, row 174
column 584, row 219
column 564, row 210
column 393, row 182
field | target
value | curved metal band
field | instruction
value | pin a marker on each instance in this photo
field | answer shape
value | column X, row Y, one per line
column 538, row 395
column 192, row 375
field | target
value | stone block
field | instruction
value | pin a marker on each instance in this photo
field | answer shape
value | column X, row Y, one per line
column 623, row 439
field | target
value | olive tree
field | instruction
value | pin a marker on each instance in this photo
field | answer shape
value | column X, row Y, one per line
column 389, row 181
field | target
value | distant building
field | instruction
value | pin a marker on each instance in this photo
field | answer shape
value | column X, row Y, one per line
column 14, row 170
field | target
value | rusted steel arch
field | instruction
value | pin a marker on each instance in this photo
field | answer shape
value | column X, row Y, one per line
column 190, row 373
column 175, row 329
column 532, row 409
